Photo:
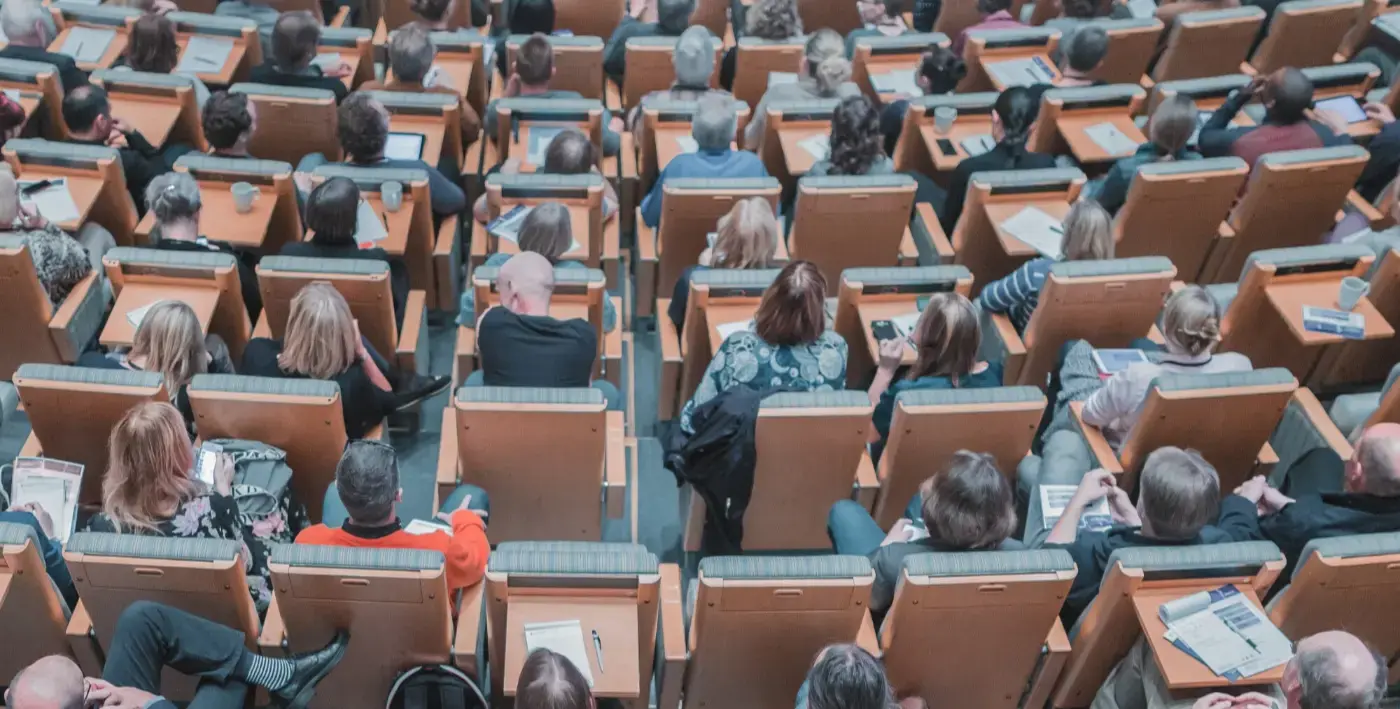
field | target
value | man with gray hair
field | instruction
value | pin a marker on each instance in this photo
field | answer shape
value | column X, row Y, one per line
column 29, row 28
column 712, row 128
column 694, row 62
column 411, row 57
column 672, row 17
column 361, row 510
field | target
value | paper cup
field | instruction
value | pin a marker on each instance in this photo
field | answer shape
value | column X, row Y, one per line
column 943, row 118
column 243, row 195
column 391, row 193
column 1351, row 292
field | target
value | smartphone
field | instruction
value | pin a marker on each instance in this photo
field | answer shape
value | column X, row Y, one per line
column 883, row 330
column 207, row 462
column 945, row 146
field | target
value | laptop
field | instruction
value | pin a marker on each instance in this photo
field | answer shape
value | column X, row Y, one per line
column 404, row 146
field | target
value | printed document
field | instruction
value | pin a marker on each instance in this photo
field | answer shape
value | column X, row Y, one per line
column 564, row 637
column 87, row 44
column 1039, row 230
column 51, row 484
column 1054, row 499
column 1110, row 139
column 1020, row 72
column 818, row 146
column 54, row 202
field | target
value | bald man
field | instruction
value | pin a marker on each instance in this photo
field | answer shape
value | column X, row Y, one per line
column 1369, row 503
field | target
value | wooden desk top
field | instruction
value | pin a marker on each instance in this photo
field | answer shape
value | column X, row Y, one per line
column 1180, row 670
column 84, row 187
column 1085, row 150
column 1288, row 300
column 152, row 116
column 224, row 75
column 520, row 149
column 614, row 619
column 119, row 332
column 431, row 128
column 999, row 212
column 396, row 243
column 115, row 48
column 880, row 65
column 666, row 146
column 351, row 59
column 458, row 68
column 1002, row 55
column 578, row 223
column 724, row 313
column 798, row 160
column 219, row 220
column 964, row 127
column 884, row 310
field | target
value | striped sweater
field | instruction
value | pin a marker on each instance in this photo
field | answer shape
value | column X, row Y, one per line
column 1018, row 293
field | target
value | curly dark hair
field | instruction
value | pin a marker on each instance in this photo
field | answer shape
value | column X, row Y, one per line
column 855, row 137
column 226, row 118
column 151, row 46
column 364, row 127
column 430, row 10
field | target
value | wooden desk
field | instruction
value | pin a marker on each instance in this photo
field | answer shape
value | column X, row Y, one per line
column 224, row 76
column 115, row 48
column 885, row 310
column 152, row 116
column 1085, row 150
column 1180, row 670
column 458, row 68
column 84, row 187
column 520, row 149
column 798, row 160
column 396, row 243
column 578, row 223
column 964, row 127
column 1001, row 56
column 119, row 332
column 876, row 66
column 1288, row 300
column 999, row 212
column 219, row 221
column 431, row 128
column 724, row 313
column 27, row 99
column 614, row 619
column 666, row 146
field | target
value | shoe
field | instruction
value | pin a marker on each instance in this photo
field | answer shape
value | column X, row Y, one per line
column 419, row 388
column 307, row 670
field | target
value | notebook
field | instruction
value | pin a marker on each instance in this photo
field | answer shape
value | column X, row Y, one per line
column 404, row 146
column 51, row 484
column 1110, row 139
column 818, row 146
column 906, row 323
column 896, row 82
column 1021, row 72
column 370, row 226
column 54, row 202
column 1039, row 230
column 204, row 55
column 978, row 144
column 136, row 315
column 729, row 328
column 87, row 44
column 564, row 637
column 1054, row 499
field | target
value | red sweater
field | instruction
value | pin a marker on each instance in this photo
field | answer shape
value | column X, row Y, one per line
column 466, row 548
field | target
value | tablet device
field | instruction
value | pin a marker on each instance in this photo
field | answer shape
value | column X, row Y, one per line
column 1345, row 106
column 1113, row 361
column 404, row 146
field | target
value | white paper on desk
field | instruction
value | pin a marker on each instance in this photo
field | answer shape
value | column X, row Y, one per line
column 12, row 94
column 135, row 316
column 905, row 324
column 1054, row 499
column 978, row 144
column 1020, row 72
column 1142, row 9
column 1210, row 639
column 564, row 637
column 1247, row 620
column 420, row 527
column 507, row 226
column 687, row 144
column 325, row 62
column 818, row 146
column 54, row 202
column 1112, row 140
column 540, row 137
column 1039, row 230
column 204, row 55
column 369, row 226
column 437, row 76
column 87, row 44
column 53, row 485
column 729, row 328
column 776, row 78
column 896, row 82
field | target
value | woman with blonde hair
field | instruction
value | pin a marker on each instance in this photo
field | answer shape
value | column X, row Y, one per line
column 150, row 488
column 773, row 20
column 824, row 72
column 1173, row 124
column 1088, row 236
column 945, row 341
column 747, row 237
column 322, row 341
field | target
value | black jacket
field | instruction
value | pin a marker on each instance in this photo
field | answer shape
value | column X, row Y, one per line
column 1313, row 517
column 247, row 269
column 141, row 163
column 994, row 160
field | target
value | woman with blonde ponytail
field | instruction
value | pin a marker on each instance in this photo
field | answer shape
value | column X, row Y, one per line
column 824, row 73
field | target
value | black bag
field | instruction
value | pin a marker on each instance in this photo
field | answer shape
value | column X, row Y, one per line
column 435, row 687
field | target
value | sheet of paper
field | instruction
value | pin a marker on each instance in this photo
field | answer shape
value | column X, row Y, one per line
column 51, row 484
column 437, row 76
column 1021, row 72
column 55, row 202
column 1219, row 647
column 1054, row 498
column 1112, row 140
column 326, row 62
column 906, row 323
column 818, row 146
column 136, row 315
column 687, row 144
column 507, row 226
column 776, row 78
column 204, row 55
column 87, row 44
column 1039, row 230
column 564, row 637
column 12, row 94
column 896, row 82
column 1246, row 619
column 420, row 527
column 977, row 144
column 729, row 328
column 540, row 136
column 1142, row 9
column 369, row 225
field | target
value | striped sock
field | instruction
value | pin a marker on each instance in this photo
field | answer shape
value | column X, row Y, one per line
column 269, row 672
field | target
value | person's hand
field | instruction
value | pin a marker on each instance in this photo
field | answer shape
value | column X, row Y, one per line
column 638, row 8
column 706, row 256
column 511, row 166
column 1379, row 112
column 116, row 139
column 1332, row 120
column 120, row 125
column 616, row 125
column 513, row 86
column 1095, row 484
column 96, row 692
column 902, row 531
column 163, row 7
column 891, row 353
column 125, row 698
column 30, row 217
column 303, row 181
column 1214, row 700
column 40, row 514
column 338, row 71
column 1254, row 700
column 223, row 474
column 1273, row 501
column 1253, row 488
column 1256, row 85
column 1121, row 508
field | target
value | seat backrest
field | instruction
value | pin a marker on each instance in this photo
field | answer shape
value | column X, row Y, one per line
column 812, row 115
column 1344, row 583
column 515, row 115
column 911, row 152
column 1207, row 92
column 850, row 222
column 1304, row 33
column 292, row 122
column 929, row 426
column 759, row 621
column 690, row 210
column 809, row 445
column 651, row 67
column 31, row 608
column 394, row 603
column 993, row 197
column 1209, row 43
column 541, row 453
column 1001, row 605
column 1109, row 627
column 587, row 18
column 755, row 59
column 581, row 194
column 1250, row 312
column 892, row 291
column 143, row 97
column 1192, row 196
column 222, row 173
column 1353, row 79
column 363, row 283
column 300, row 416
column 578, row 293
column 578, row 63
column 666, row 119
column 37, row 331
column 841, row 17
column 1109, row 303
column 1290, row 199
column 1081, row 102
column 398, row 13
column 880, row 55
column 1132, row 43
column 72, row 411
column 461, row 55
column 129, row 266
column 985, row 46
column 1371, row 360
column 423, row 112
column 415, row 218
column 1226, row 417
column 111, row 207
column 39, row 83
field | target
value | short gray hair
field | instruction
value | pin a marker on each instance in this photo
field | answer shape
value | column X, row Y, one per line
column 367, row 478
column 694, row 58
column 18, row 17
column 173, row 196
column 714, row 123
column 411, row 54
column 1324, row 684
column 1179, row 492
column 673, row 16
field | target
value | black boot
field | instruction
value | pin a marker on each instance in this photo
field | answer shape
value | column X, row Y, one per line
column 308, row 669
column 417, row 387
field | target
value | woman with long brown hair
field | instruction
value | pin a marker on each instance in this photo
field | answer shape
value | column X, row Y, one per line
column 746, row 237
column 151, row 47
column 787, row 346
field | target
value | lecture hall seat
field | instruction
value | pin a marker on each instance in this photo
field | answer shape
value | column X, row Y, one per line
column 35, row 330
column 31, row 607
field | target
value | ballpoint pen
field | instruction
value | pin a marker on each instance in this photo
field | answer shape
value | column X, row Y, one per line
column 598, row 650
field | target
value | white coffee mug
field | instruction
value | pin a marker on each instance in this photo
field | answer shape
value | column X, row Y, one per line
column 391, row 193
column 943, row 118
column 243, row 195
column 1351, row 292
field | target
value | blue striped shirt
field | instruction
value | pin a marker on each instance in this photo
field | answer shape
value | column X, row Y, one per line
column 1018, row 293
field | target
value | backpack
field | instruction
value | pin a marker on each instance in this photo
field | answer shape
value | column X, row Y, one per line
column 260, row 478
column 435, row 687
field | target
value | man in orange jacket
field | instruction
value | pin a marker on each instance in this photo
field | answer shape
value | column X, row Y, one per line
column 364, row 499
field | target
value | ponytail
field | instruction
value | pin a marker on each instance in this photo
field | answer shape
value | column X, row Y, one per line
column 1016, row 108
column 830, row 73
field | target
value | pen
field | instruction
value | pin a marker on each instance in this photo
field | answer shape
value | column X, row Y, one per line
column 1041, row 63
column 598, row 650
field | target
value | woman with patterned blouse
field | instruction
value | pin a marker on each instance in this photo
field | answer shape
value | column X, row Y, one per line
column 149, row 489
column 788, row 347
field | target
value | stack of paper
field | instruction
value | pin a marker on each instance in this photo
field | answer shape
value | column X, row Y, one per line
column 1110, row 139
column 87, row 44
column 818, row 146
column 1039, row 230
column 1054, row 499
column 564, row 637
column 896, row 82
column 52, row 485
column 136, row 315
column 1351, row 325
column 54, row 202
column 204, row 55
column 729, row 328
column 370, row 227
column 1226, row 632
column 1021, row 72
column 687, row 144
column 977, row 144
column 540, row 137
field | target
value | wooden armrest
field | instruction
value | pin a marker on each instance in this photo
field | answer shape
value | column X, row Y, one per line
column 465, row 354
column 908, row 251
column 673, row 646
column 31, row 447
column 1007, row 330
column 923, row 211
column 468, row 635
column 1373, row 216
column 647, row 266
column 447, row 467
column 415, row 322
column 867, row 638
column 1177, row 285
column 1155, row 334
column 1224, row 232
column 340, row 17
column 83, row 642
column 628, row 154
column 445, row 264
column 1308, row 402
column 672, row 360
column 1103, row 453
column 69, row 351
column 272, row 641
column 1057, row 650
column 615, row 465
column 867, row 482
